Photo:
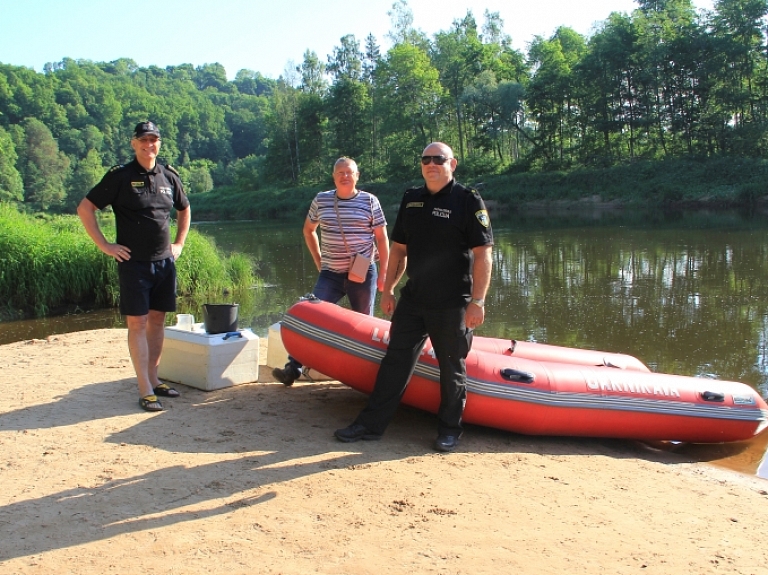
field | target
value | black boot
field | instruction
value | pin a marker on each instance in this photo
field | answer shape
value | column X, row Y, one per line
column 287, row 375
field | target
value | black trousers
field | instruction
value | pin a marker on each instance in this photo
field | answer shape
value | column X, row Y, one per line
column 451, row 341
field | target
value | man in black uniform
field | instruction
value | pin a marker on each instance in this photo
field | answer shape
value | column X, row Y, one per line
column 142, row 194
column 442, row 239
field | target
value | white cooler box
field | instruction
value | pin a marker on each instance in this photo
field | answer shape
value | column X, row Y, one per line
column 209, row 362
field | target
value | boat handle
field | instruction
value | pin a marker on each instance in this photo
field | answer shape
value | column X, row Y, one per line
column 712, row 396
column 516, row 375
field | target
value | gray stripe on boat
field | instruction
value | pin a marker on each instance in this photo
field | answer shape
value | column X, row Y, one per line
column 525, row 394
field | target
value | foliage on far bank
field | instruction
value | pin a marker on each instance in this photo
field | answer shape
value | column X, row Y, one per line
column 664, row 81
column 229, row 203
column 50, row 264
column 717, row 181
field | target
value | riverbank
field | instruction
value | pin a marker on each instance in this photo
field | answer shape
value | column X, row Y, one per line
column 249, row 479
column 716, row 183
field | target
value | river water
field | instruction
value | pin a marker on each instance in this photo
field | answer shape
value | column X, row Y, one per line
column 687, row 293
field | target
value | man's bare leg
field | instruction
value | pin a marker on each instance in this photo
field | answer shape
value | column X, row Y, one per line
column 145, row 344
column 155, row 338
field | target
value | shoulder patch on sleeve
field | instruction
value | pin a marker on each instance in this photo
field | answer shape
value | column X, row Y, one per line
column 482, row 217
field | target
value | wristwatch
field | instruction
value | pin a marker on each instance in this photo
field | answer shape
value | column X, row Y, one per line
column 478, row 302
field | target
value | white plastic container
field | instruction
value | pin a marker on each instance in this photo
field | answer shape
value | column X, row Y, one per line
column 207, row 361
column 276, row 354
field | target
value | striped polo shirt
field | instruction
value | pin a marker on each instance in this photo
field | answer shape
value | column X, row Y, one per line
column 360, row 215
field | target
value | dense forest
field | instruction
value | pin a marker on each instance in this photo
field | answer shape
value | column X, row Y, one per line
column 665, row 81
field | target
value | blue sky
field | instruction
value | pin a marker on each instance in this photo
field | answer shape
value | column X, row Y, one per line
column 254, row 34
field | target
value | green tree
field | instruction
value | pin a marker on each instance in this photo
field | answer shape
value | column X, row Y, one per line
column 409, row 91
column 459, row 56
column 247, row 121
column 738, row 29
column 311, row 128
column 283, row 154
column 248, row 172
column 551, row 98
column 197, row 177
column 346, row 60
column 312, row 72
column 11, row 185
column 403, row 31
column 45, row 167
column 26, row 94
column 497, row 109
column 511, row 96
column 253, row 83
column 211, row 76
column 660, row 24
column 348, row 109
column 85, row 175
column 611, row 118
column 371, row 60
column 348, row 101
column 507, row 63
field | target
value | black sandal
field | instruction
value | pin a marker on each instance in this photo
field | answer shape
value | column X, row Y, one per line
column 150, row 403
column 166, row 390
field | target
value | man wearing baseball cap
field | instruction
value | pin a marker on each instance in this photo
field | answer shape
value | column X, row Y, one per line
column 142, row 194
column 143, row 129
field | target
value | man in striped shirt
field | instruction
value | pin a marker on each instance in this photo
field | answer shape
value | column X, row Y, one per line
column 351, row 222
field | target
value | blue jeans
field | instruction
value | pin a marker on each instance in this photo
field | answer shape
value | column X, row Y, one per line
column 332, row 286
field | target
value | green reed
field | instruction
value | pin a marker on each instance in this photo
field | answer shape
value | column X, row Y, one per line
column 204, row 270
column 50, row 263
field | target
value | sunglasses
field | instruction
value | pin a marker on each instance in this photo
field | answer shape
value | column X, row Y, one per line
column 438, row 160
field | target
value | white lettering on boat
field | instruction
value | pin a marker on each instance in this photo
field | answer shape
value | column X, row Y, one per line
column 384, row 339
column 743, row 400
column 607, row 383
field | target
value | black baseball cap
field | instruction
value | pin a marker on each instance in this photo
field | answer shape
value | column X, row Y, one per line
column 146, row 129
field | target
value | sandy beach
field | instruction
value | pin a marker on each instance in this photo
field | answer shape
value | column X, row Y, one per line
column 249, row 479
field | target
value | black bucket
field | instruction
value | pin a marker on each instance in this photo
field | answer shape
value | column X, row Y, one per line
column 220, row 317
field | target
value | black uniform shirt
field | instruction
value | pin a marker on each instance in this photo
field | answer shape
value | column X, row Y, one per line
column 142, row 202
column 440, row 231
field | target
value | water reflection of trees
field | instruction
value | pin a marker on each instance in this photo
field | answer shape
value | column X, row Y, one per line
column 691, row 302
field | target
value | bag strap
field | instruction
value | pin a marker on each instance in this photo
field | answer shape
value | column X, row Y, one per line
column 338, row 217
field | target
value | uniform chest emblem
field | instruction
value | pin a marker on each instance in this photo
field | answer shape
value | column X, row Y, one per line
column 166, row 191
column 482, row 217
column 441, row 212
column 137, row 184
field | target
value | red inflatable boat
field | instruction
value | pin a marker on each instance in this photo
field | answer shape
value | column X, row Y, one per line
column 533, row 388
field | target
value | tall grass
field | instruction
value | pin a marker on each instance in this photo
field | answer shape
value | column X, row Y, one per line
column 48, row 263
column 203, row 270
